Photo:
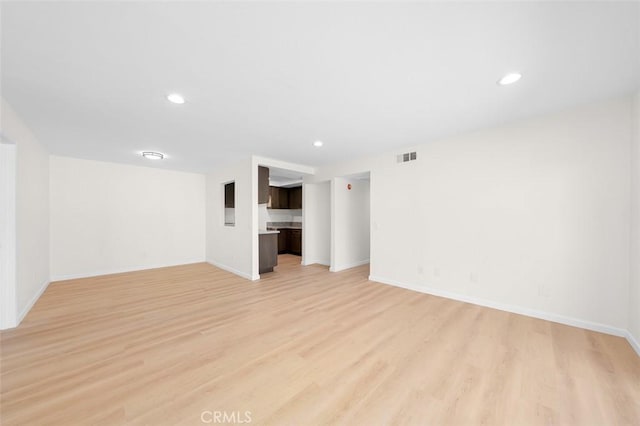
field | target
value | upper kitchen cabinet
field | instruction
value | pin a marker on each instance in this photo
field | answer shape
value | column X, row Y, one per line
column 263, row 185
column 279, row 198
column 295, row 198
column 285, row 198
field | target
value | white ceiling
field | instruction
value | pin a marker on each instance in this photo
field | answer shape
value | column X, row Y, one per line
column 284, row 178
column 90, row 78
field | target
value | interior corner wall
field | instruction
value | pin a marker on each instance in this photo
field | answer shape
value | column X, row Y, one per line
column 110, row 218
column 634, row 289
column 31, row 212
column 350, row 223
column 529, row 217
column 231, row 247
column 317, row 223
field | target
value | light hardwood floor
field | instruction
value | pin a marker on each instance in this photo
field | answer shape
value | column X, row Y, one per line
column 302, row 346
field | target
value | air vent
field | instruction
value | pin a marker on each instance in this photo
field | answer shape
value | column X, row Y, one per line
column 407, row 156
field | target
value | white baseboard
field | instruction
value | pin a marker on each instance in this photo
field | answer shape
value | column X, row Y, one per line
column 316, row 262
column 549, row 316
column 8, row 322
column 112, row 271
column 144, row 268
column 232, row 270
column 23, row 313
column 633, row 342
column 348, row 266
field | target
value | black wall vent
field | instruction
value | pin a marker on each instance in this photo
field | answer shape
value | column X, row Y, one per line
column 407, row 156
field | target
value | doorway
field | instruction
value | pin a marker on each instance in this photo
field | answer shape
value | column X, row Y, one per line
column 350, row 221
column 281, row 213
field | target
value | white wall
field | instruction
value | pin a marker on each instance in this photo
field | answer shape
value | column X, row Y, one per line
column 634, row 293
column 316, row 232
column 350, row 242
column 531, row 217
column 8, row 304
column 108, row 218
column 263, row 216
column 230, row 247
column 31, row 212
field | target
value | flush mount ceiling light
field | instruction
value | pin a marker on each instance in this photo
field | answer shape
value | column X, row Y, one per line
column 510, row 78
column 318, row 144
column 153, row 155
column 175, row 98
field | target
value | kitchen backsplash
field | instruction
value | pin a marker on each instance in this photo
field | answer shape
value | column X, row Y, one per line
column 284, row 224
column 277, row 215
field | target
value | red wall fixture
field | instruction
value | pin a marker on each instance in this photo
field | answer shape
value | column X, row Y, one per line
column 349, row 186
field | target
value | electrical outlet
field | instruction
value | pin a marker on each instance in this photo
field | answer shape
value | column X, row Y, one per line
column 436, row 272
column 473, row 277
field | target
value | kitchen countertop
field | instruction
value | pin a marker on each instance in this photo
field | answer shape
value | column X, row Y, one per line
column 294, row 224
column 268, row 231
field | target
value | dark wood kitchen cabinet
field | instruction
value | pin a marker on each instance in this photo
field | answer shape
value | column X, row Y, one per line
column 279, row 198
column 283, row 241
column 263, row 185
column 272, row 198
column 290, row 241
column 285, row 198
column 268, row 252
column 295, row 198
column 295, row 241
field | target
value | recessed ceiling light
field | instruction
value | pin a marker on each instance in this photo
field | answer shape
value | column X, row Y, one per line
column 509, row 78
column 153, row 155
column 318, row 144
column 175, row 98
